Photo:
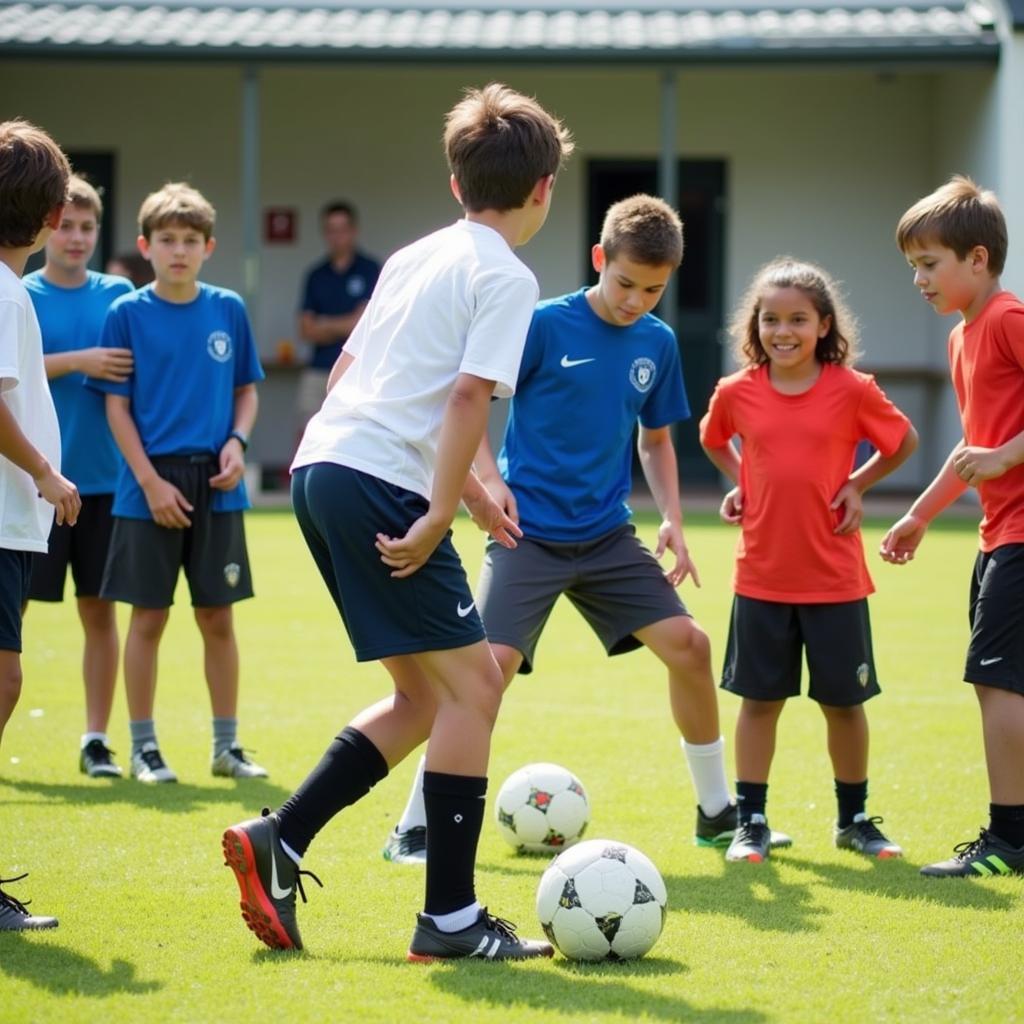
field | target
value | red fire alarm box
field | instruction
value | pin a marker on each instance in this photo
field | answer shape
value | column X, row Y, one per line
column 280, row 224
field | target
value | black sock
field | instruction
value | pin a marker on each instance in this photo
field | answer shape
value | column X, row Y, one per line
column 1007, row 822
column 751, row 798
column 349, row 769
column 455, row 815
column 852, row 798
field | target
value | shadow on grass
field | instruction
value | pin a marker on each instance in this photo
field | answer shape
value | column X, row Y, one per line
column 175, row 798
column 63, row 972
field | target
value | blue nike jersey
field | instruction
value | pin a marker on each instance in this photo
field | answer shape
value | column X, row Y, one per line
column 583, row 385
column 189, row 359
column 72, row 319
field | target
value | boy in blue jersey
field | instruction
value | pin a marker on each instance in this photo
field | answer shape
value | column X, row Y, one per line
column 71, row 303
column 182, row 420
column 566, row 479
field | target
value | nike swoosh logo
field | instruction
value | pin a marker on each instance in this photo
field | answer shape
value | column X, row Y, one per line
column 275, row 888
column 567, row 362
column 990, row 661
column 463, row 612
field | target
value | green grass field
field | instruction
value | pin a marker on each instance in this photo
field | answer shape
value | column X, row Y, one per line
column 150, row 929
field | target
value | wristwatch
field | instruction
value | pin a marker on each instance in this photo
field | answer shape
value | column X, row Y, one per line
column 240, row 438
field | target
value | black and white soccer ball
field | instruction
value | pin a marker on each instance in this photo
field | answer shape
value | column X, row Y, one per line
column 602, row 900
column 542, row 808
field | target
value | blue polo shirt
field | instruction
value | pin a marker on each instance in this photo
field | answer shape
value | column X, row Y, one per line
column 583, row 385
column 330, row 293
column 72, row 319
column 189, row 359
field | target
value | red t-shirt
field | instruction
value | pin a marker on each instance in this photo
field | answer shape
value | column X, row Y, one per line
column 986, row 357
column 797, row 452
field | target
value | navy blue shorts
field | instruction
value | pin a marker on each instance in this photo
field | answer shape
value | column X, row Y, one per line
column 340, row 512
column 995, row 656
column 15, row 579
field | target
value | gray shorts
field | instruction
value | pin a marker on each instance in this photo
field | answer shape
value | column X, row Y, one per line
column 614, row 582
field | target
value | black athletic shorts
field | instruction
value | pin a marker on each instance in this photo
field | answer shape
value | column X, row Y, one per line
column 83, row 547
column 15, row 579
column 340, row 512
column 144, row 559
column 614, row 582
column 767, row 640
column 995, row 656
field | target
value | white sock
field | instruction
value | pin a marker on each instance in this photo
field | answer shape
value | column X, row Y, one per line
column 88, row 737
column 291, row 853
column 457, row 919
column 415, row 813
column 706, row 762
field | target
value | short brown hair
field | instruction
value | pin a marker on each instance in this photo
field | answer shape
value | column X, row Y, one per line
column 34, row 176
column 959, row 215
column 179, row 204
column 838, row 346
column 644, row 229
column 83, row 195
column 499, row 144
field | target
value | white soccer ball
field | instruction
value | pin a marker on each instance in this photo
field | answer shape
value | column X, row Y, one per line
column 542, row 808
column 602, row 900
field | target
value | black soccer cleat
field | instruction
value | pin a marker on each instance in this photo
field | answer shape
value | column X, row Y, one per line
column 983, row 857
column 14, row 915
column 267, row 879
column 97, row 761
column 719, row 830
column 488, row 938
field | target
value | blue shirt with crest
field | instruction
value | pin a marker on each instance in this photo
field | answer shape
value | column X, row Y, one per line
column 71, row 319
column 329, row 292
column 189, row 357
column 583, row 386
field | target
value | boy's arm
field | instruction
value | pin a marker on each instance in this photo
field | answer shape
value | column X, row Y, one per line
column 103, row 363
column 975, row 465
column 60, row 492
column 463, row 425
column 231, row 458
column 876, row 468
column 166, row 503
column 900, row 543
column 727, row 461
column 661, row 471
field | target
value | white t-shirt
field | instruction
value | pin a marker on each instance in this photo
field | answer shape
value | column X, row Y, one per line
column 25, row 518
column 457, row 301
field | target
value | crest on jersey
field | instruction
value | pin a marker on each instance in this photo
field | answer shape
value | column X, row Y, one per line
column 355, row 285
column 232, row 573
column 641, row 373
column 218, row 345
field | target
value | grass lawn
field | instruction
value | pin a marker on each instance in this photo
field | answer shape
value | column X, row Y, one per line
column 150, row 929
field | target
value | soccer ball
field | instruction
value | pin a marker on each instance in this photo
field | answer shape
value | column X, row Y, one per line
column 602, row 900
column 542, row 808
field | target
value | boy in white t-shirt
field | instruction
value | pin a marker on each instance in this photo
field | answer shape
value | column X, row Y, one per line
column 377, row 480
column 33, row 183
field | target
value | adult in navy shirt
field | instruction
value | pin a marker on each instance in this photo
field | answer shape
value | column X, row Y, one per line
column 334, row 296
column 598, row 365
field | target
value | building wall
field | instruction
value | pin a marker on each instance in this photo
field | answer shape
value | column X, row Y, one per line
column 820, row 164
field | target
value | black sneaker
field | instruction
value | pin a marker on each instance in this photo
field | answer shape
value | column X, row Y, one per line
column 751, row 842
column 97, row 761
column 267, row 878
column 408, row 846
column 864, row 836
column 987, row 855
column 14, row 915
column 719, row 830
column 489, row 938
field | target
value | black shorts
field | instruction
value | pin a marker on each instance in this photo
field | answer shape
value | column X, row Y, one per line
column 995, row 656
column 15, row 580
column 614, row 582
column 83, row 547
column 144, row 559
column 768, row 638
column 340, row 512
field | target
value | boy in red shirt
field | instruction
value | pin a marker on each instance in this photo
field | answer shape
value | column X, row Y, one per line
column 955, row 239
